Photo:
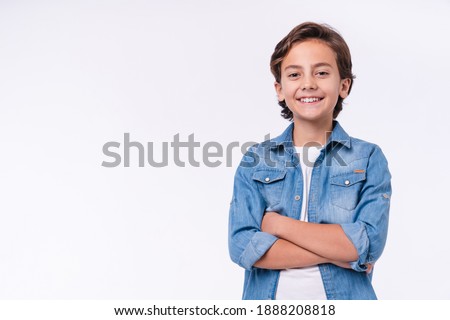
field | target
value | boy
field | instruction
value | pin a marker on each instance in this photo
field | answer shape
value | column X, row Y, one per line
column 310, row 208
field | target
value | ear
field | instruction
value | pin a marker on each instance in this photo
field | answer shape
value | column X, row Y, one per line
column 279, row 91
column 345, row 87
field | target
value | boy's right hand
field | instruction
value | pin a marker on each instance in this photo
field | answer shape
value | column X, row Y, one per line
column 347, row 266
column 369, row 268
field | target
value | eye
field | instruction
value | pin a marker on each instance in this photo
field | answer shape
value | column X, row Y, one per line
column 294, row 75
column 322, row 74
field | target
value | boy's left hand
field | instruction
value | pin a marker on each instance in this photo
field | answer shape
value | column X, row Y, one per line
column 271, row 222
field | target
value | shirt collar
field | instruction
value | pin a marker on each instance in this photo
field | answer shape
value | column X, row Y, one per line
column 338, row 135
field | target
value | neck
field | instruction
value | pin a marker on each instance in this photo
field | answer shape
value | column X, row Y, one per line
column 306, row 132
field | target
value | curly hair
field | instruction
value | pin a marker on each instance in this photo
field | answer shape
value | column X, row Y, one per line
column 324, row 33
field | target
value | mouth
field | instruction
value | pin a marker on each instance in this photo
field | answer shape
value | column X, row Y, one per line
column 310, row 99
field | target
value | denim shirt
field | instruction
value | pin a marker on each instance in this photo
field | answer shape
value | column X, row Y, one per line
column 350, row 186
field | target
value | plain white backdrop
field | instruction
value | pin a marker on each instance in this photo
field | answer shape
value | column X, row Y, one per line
column 77, row 74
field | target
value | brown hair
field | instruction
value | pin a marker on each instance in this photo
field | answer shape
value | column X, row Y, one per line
column 324, row 33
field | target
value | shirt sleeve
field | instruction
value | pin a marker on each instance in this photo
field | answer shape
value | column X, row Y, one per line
column 246, row 242
column 369, row 231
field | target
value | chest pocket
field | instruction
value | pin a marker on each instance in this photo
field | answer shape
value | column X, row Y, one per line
column 270, row 184
column 345, row 189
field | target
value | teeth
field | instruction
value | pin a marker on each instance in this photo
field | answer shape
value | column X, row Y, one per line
column 308, row 100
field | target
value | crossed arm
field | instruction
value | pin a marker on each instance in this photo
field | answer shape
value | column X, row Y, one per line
column 303, row 244
column 288, row 243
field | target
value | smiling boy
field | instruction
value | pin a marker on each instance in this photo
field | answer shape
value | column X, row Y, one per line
column 311, row 222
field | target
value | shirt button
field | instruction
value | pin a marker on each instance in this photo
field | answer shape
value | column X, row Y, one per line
column 297, row 197
column 267, row 179
column 347, row 182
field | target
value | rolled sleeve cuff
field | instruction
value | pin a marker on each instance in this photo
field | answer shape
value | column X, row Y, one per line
column 256, row 248
column 357, row 234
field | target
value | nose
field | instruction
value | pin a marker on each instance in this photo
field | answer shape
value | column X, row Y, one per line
column 309, row 83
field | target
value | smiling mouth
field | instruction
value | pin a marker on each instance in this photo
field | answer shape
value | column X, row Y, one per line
column 310, row 100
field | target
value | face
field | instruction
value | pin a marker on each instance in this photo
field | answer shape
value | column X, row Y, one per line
column 310, row 81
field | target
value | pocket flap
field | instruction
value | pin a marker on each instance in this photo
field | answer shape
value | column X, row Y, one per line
column 349, row 179
column 269, row 176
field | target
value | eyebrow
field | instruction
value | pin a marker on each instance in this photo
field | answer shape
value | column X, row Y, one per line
column 320, row 64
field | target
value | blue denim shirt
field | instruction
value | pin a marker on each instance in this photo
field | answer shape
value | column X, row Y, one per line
column 350, row 186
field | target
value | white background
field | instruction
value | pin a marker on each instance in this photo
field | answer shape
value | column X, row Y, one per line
column 77, row 74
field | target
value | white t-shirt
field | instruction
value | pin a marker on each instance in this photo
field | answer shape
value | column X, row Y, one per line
column 303, row 283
